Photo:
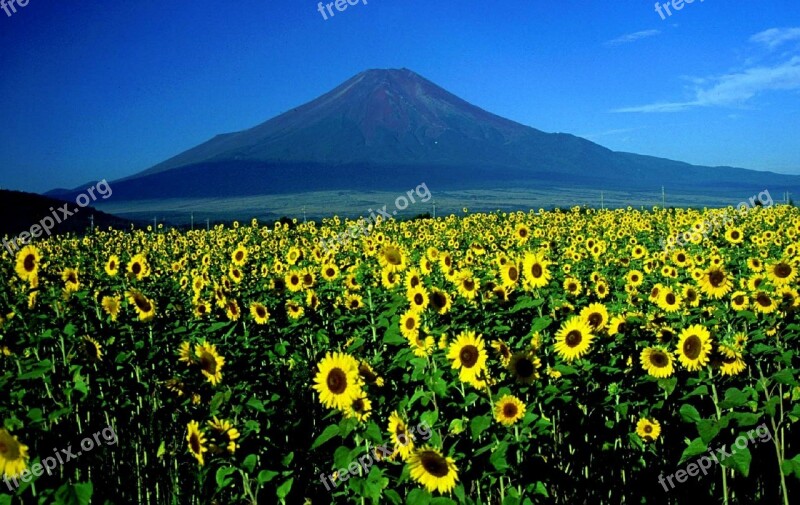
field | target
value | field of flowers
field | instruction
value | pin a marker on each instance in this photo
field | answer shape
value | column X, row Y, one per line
column 541, row 357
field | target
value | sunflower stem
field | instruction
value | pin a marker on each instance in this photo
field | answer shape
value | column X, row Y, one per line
column 719, row 416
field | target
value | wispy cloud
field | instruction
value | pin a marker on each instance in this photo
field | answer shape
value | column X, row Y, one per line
column 774, row 37
column 632, row 37
column 736, row 88
column 608, row 133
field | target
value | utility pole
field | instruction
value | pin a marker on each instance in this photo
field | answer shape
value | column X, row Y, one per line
column 192, row 220
column 207, row 224
column 602, row 201
column 91, row 220
column 304, row 214
column 663, row 198
column 155, row 223
column 434, row 209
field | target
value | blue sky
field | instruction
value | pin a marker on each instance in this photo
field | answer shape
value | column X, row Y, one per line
column 94, row 90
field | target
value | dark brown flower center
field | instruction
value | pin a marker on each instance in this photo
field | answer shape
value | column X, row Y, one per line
column 510, row 410
column 536, row 270
column 434, row 464
column 782, row 270
column 716, row 278
column 595, row 319
column 468, row 356
column 692, row 347
column 574, row 338
column 337, row 381
column 763, row 299
column 658, row 359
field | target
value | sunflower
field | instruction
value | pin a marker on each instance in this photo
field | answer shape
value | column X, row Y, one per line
column 368, row 375
column 635, row 278
column 691, row 297
column 508, row 410
column 144, row 307
column 440, row 301
column 739, row 300
column 618, row 325
column 28, row 262
column 210, row 362
column 503, row 351
column 782, row 273
column 13, row 455
column 525, row 366
column 239, row 256
column 226, row 429
column 509, row 274
column 259, row 313
column 572, row 286
column 402, row 440
column 185, row 353
column 390, row 279
column 764, row 303
column 417, row 298
column 330, row 272
column 732, row 362
column 294, row 280
column 337, row 381
column 360, row 409
column 201, row 309
column 409, row 324
column 715, row 282
column 596, row 316
column 573, row 339
column 657, row 362
column 92, row 348
column 110, row 305
column 112, row 265
column 669, row 301
column 468, row 354
column 294, row 309
column 232, row 310
column 391, row 257
column 196, row 440
column 138, row 267
column 537, row 274
column 70, row 278
column 433, row 470
column 467, row 284
column 693, row 347
column 648, row 429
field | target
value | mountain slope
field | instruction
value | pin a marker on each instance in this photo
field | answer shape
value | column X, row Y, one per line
column 386, row 129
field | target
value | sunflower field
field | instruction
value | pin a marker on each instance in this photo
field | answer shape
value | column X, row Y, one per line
column 500, row 358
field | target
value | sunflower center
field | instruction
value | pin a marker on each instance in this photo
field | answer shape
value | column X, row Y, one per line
column 195, row 444
column 208, row 363
column 738, row 300
column 692, row 346
column 716, row 278
column 438, row 300
column 418, row 299
column 513, row 273
column 358, row 405
column 573, row 338
column 735, row 235
column 29, row 263
column 469, row 284
column 329, row 272
column 136, row 269
column 410, row 323
column 648, row 429
column 510, row 410
column 337, row 381
column 671, row 298
column 536, row 270
column 434, row 464
column 595, row 319
column 469, row 356
column 261, row 312
column 239, row 255
column 763, row 300
column 782, row 270
column 659, row 359
column 524, row 368
column 142, row 303
column 691, row 295
column 393, row 256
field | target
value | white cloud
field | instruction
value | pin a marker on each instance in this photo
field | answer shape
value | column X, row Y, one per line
column 632, row 37
column 733, row 89
column 774, row 37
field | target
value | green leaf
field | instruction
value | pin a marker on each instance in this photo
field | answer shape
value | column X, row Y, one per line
column 791, row 466
column 341, row 457
column 222, row 476
column 249, row 463
column 785, row 376
column 541, row 489
column 479, row 424
column 418, row 497
column 498, row 457
column 739, row 460
column 697, row 446
column 77, row 494
column 330, row 432
column 265, row 476
column 540, row 323
column 689, row 414
column 256, row 404
column 734, row 398
column 284, row 488
column 708, row 429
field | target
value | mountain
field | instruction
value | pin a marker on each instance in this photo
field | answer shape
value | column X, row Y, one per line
column 22, row 210
column 391, row 129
